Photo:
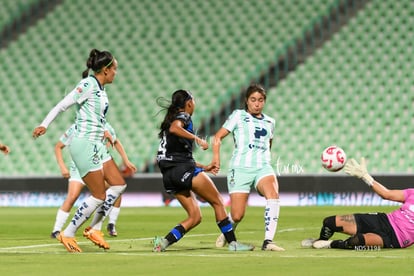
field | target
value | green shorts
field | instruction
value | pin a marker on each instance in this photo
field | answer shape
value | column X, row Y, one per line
column 86, row 154
column 106, row 155
column 241, row 180
column 74, row 173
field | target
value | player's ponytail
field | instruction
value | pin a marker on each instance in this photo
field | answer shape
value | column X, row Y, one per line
column 97, row 60
column 178, row 100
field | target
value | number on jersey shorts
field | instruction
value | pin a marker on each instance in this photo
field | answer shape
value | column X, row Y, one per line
column 86, row 154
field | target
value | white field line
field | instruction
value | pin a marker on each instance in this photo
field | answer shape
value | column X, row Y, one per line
column 129, row 240
column 26, row 250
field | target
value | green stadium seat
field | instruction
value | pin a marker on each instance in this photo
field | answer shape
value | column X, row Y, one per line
column 212, row 48
column 370, row 102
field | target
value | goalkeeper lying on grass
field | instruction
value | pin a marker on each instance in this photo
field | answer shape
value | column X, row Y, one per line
column 373, row 230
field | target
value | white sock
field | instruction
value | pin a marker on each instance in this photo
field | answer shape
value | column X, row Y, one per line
column 113, row 215
column 84, row 211
column 61, row 218
column 112, row 193
column 271, row 217
column 98, row 225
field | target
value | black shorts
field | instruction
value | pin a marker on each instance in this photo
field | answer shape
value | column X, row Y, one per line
column 379, row 224
column 177, row 177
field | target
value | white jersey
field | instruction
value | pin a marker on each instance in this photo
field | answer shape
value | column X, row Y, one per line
column 91, row 108
column 67, row 137
column 252, row 137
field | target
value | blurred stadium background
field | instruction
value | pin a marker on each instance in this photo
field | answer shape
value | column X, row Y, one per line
column 336, row 71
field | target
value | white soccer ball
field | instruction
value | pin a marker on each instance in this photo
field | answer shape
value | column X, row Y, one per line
column 333, row 158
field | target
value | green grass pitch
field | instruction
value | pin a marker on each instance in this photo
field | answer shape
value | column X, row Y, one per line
column 26, row 248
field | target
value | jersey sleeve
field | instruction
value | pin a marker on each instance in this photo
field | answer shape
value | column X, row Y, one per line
column 409, row 195
column 182, row 116
column 62, row 106
column 232, row 120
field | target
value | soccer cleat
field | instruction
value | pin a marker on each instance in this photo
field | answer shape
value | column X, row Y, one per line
column 319, row 244
column 111, row 230
column 221, row 241
column 54, row 234
column 69, row 243
column 269, row 245
column 307, row 243
column 160, row 244
column 236, row 246
column 95, row 236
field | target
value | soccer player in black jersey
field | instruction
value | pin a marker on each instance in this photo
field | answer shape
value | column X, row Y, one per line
column 183, row 177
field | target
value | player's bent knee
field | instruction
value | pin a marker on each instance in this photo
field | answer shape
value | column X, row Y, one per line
column 330, row 222
column 236, row 219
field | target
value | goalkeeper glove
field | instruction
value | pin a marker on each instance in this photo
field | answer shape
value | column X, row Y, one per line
column 352, row 167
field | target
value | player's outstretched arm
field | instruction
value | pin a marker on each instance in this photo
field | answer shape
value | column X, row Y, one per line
column 359, row 170
column 177, row 128
column 385, row 193
column 218, row 137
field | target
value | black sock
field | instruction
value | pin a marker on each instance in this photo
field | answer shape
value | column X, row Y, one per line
column 350, row 243
column 338, row 244
column 227, row 229
column 175, row 234
column 329, row 228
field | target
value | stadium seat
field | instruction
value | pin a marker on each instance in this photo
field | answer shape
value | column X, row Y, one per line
column 361, row 92
column 212, row 49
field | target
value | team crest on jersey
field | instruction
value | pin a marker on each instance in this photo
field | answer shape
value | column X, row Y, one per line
column 258, row 132
column 95, row 159
column 79, row 89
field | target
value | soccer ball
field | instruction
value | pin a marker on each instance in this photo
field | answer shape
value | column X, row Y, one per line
column 333, row 158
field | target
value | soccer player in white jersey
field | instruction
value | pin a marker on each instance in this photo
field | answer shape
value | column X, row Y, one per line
column 86, row 148
column 76, row 184
column 250, row 165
